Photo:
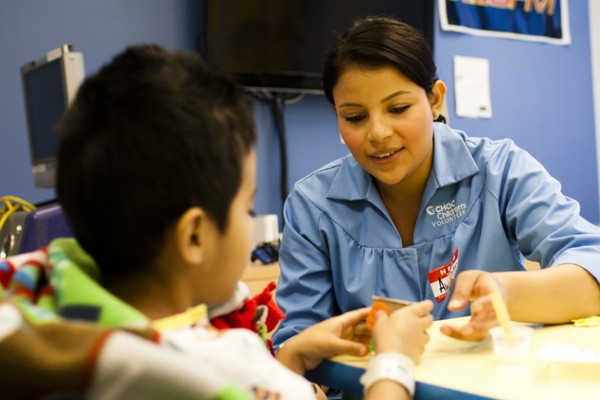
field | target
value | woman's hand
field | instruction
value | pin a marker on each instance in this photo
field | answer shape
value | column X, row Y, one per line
column 474, row 286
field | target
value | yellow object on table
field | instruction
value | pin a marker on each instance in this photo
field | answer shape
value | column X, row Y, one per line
column 501, row 312
column 587, row 322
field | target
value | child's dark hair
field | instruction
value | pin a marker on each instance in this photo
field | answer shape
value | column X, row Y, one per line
column 376, row 42
column 151, row 135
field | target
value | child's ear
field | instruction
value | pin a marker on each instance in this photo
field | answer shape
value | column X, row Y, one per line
column 190, row 235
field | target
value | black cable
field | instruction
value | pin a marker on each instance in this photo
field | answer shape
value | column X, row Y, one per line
column 277, row 108
column 277, row 101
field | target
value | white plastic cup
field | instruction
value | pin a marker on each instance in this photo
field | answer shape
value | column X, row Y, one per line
column 266, row 229
column 513, row 347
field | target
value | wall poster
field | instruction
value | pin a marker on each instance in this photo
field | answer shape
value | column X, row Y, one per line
column 534, row 20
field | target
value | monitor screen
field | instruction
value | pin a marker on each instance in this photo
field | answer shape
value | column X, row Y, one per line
column 281, row 45
column 46, row 101
column 49, row 86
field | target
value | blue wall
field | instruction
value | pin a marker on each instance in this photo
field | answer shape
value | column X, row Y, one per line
column 542, row 98
column 98, row 29
column 541, row 94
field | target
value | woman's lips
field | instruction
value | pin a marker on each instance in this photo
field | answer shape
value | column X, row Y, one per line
column 385, row 156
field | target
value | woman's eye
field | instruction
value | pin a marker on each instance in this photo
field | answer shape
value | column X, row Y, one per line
column 252, row 213
column 354, row 118
column 399, row 109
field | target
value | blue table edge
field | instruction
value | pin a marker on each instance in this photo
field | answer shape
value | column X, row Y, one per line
column 346, row 378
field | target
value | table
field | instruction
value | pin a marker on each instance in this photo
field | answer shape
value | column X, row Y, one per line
column 454, row 369
column 257, row 276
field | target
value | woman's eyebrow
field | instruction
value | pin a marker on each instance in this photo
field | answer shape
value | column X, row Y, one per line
column 386, row 98
column 398, row 93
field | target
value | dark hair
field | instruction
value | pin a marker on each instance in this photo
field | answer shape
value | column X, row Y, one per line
column 375, row 42
column 151, row 135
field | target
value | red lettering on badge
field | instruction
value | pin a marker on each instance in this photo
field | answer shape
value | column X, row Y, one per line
column 442, row 278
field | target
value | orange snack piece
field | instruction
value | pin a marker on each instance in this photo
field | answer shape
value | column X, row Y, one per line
column 372, row 317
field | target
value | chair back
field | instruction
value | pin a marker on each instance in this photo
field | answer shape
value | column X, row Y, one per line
column 43, row 225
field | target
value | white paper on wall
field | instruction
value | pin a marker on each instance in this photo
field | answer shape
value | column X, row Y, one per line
column 472, row 87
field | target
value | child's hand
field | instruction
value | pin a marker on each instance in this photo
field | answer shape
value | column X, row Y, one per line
column 474, row 286
column 404, row 330
column 343, row 334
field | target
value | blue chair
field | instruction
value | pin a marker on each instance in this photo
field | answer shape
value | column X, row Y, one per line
column 41, row 226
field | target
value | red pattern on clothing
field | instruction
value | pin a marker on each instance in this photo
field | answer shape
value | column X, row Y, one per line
column 244, row 316
column 5, row 275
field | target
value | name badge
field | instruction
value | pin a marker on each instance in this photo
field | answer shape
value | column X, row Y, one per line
column 442, row 278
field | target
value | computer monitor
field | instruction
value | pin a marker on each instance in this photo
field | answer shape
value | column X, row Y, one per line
column 280, row 45
column 49, row 86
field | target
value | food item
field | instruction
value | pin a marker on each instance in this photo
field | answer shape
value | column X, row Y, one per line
column 372, row 317
column 386, row 304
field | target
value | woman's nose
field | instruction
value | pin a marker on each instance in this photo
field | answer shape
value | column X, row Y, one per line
column 379, row 130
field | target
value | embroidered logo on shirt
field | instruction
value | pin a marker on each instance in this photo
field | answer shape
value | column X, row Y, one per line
column 442, row 278
column 445, row 213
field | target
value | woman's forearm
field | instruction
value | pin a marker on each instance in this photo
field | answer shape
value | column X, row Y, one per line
column 551, row 295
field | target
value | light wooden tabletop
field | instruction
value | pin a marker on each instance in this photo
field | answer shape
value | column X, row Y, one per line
column 472, row 368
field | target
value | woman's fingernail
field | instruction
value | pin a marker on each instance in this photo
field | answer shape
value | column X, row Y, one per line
column 454, row 303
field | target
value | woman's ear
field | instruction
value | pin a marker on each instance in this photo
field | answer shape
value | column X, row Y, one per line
column 190, row 235
column 438, row 94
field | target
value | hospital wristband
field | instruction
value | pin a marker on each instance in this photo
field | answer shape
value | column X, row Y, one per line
column 392, row 366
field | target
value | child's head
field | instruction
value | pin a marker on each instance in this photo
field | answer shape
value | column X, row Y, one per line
column 375, row 42
column 152, row 135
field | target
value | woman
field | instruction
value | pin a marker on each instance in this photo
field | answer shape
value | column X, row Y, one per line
column 422, row 211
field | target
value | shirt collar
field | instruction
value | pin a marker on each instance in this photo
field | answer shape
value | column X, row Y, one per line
column 452, row 162
column 351, row 182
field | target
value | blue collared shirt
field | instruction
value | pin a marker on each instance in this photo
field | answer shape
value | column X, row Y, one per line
column 486, row 205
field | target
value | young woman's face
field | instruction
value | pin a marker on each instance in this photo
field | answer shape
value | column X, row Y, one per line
column 386, row 121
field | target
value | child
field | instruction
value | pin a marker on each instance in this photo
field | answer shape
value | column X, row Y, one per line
column 156, row 176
